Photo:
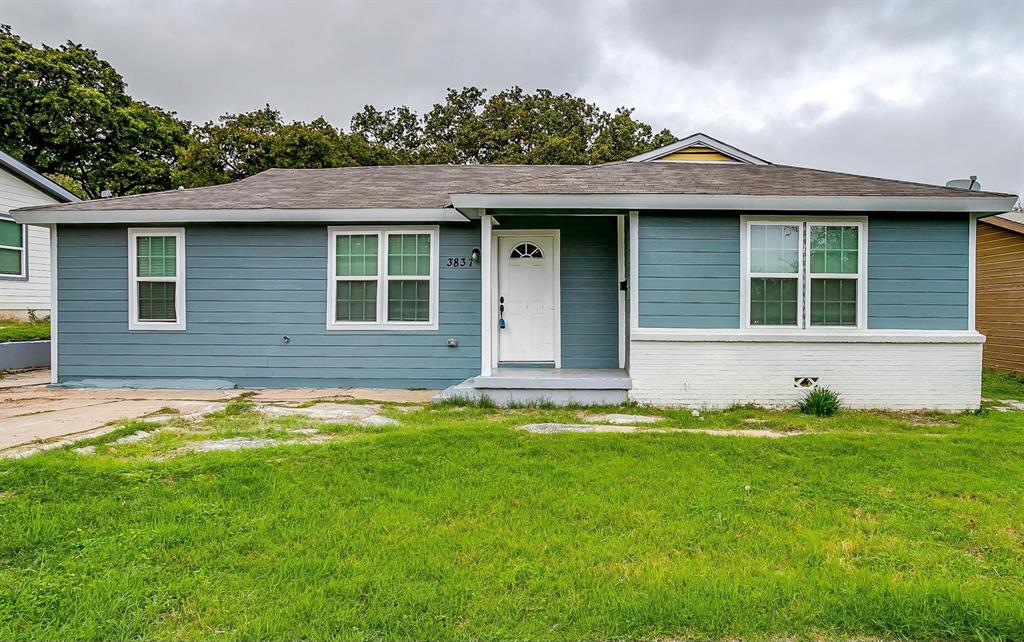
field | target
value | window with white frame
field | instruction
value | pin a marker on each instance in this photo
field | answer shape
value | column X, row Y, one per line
column 382, row 278
column 13, row 259
column 156, row 276
column 805, row 273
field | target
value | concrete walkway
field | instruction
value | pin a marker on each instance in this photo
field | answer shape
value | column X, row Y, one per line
column 33, row 415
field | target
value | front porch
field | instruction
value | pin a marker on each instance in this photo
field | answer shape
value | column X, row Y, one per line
column 559, row 386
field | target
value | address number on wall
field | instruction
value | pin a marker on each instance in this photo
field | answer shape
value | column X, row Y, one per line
column 458, row 262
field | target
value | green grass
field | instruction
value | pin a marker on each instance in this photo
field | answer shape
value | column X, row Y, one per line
column 19, row 330
column 456, row 525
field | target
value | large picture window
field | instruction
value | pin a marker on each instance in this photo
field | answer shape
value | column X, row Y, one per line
column 156, row 275
column 804, row 274
column 13, row 259
column 382, row 278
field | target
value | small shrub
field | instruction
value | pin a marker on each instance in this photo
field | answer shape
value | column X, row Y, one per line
column 820, row 402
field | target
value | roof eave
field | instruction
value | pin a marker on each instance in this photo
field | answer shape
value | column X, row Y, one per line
column 37, row 180
column 1003, row 223
column 975, row 204
column 353, row 215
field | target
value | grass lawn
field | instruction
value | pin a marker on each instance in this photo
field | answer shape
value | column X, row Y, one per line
column 23, row 330
column 457, row 525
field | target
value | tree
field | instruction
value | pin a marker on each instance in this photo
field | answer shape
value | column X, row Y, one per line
column 512, row 126
column 240, row 145
column 66, row 113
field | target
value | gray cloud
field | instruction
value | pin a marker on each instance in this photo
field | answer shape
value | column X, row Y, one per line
column 913, row 90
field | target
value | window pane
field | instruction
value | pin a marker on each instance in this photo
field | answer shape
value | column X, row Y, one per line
column 156, row 301
column 773, row 301
column 10, row 234
column 833, row 301
column 409, row 301
column 356, row 255
column 10, row 261
column 356, row 301
column 774, row 248
column 834, row 249
column 409, row 255
column 156, row 255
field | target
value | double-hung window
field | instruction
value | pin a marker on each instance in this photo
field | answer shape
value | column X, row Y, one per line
column 13, row 257
column 382, row 278
column 805, row 273
column 156, row 278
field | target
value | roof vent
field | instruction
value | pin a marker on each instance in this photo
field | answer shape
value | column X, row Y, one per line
column 970, row 184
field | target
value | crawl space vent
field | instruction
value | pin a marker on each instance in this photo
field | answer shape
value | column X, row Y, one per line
column 805, row 382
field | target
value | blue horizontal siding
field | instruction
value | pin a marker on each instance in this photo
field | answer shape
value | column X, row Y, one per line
column 918, row 272
column 247, row 286
column 689, row 271
column 589, row 286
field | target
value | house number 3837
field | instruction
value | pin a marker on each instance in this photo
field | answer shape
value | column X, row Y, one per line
column 458, row 261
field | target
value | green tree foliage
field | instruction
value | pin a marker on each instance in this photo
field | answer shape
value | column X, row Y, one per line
column 512, row 126
column 240, row 145
column 66, row 113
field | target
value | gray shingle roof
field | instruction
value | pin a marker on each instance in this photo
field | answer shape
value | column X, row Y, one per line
column 397, row 186
column 429, row 186
column 720, row 179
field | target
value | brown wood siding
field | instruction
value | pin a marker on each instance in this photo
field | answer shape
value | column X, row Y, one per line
column 1000, row 296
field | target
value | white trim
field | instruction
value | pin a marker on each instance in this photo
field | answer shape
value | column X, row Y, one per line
column 486, row 303
column 353, row 215
column 54, row 304
column 620, row 257
column 634, row 271
column 745, row 225
column 862, row 270
column 806, row 336
column 556, row 297
column 972, row 274
column 382, row 278
column 924, row 204
column 804, row 275
column 134, row 233
column 23, row 274
column 699, row 140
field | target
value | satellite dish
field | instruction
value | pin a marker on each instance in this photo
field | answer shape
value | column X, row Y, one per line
column 971, row 184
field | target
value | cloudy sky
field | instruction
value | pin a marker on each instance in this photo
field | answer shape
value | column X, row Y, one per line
column 923, row 91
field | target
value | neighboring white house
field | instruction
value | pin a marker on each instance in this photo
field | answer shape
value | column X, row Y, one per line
column 25, row 249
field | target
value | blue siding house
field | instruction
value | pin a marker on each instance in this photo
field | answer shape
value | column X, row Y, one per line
column 694, row 275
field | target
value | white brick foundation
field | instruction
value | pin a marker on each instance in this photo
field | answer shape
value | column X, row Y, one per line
column 894, row 370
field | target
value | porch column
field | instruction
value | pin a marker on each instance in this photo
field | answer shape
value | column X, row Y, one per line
column 486, row 326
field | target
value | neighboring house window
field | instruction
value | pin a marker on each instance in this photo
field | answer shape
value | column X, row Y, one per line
column 156, row 278
column 805, row 274
column 382, row 278
column 13, row 257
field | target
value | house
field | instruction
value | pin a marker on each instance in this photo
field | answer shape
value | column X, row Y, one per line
column 696, row 275
column 1000, row 290
column 25, row 249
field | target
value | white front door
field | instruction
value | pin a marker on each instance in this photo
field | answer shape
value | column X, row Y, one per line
column 526, row 297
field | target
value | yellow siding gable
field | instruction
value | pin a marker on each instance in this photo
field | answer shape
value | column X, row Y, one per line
column 697, row 154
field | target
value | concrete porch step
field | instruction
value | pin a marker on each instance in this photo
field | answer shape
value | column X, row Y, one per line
column 564, row 386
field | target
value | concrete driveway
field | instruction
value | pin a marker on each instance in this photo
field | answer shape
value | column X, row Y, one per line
column 34, row 416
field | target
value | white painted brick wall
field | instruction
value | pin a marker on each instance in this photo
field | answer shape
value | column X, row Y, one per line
column 715, row 374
